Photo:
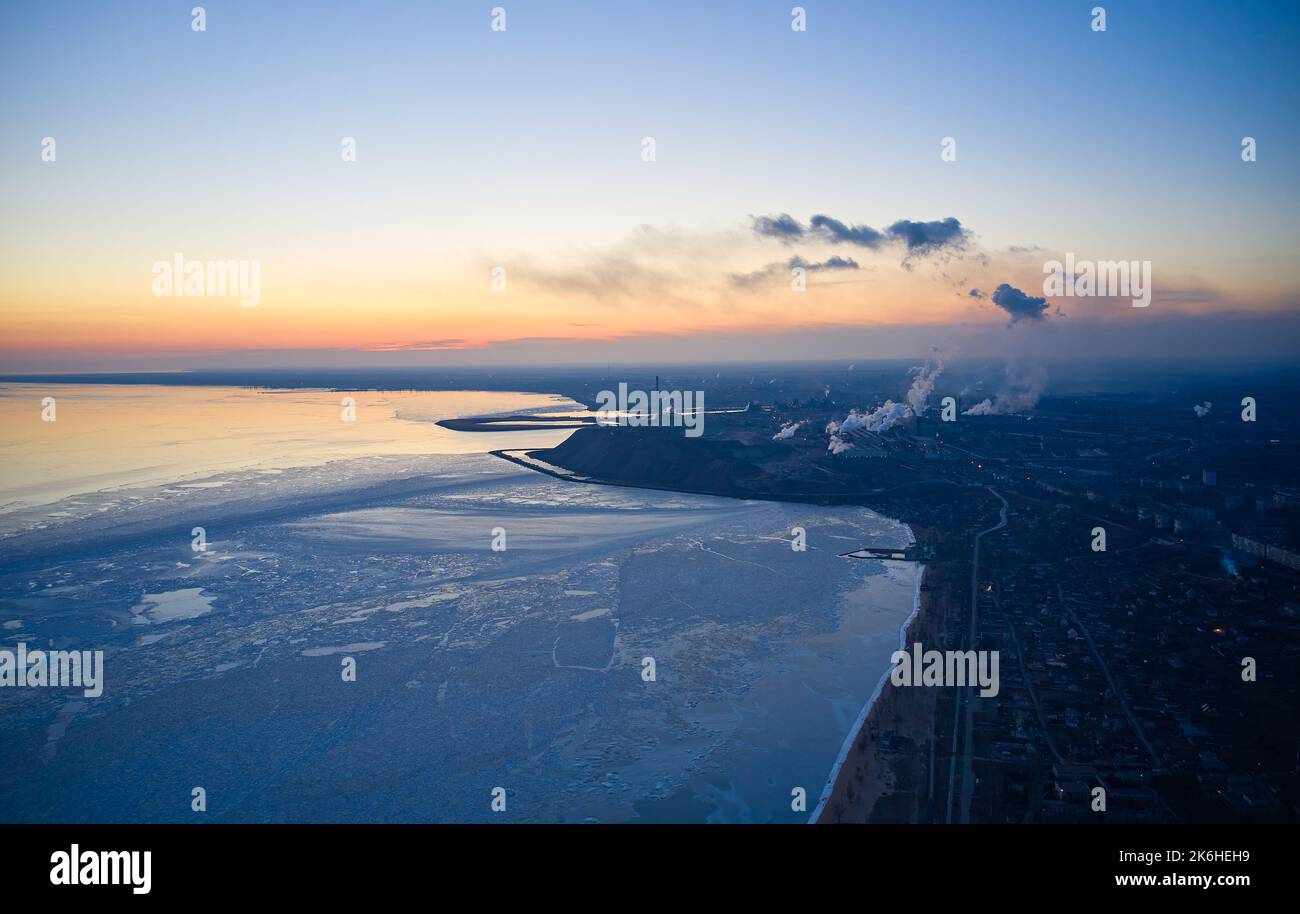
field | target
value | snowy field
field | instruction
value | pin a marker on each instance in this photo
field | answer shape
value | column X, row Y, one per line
column 475, row 668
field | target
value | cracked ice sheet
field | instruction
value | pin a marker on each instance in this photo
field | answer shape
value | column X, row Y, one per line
column 474, row 668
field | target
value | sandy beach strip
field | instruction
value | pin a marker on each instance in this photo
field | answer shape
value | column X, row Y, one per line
column 853, row 762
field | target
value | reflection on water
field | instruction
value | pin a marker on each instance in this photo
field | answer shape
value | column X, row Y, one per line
column 114, row 435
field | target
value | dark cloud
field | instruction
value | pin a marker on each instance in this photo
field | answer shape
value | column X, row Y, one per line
column 926, row 237
column 919, row 239
column 783, row 268
column 833, row 263
column 782, row 226
column 1019, row 305
column 975, row 293
column 836, row 232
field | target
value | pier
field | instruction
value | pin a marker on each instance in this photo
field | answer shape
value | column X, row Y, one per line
column 904, row 554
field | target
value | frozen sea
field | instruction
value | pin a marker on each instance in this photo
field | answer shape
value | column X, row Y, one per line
column 475, row 669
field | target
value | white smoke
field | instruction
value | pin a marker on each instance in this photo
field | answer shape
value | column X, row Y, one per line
column 923, row 384
column 1020, row 391
column 853, row 422
column 889, row 413
column 1202, row 409
column 887, row 416
column 787, row 431
column 837, row 445
column 880, row 419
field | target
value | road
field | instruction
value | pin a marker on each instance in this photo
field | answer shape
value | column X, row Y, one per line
column 963, row 709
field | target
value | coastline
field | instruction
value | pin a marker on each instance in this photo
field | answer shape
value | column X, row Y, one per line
column 836, row 783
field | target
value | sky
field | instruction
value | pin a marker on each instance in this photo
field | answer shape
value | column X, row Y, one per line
column 501, row 209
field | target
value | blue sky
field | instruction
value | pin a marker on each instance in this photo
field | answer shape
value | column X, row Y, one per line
column 470, row 143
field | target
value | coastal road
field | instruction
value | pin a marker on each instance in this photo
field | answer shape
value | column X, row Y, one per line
column 962, row 708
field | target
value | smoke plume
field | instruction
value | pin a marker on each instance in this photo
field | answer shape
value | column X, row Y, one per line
column 923, row 384
column 1020, row 391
